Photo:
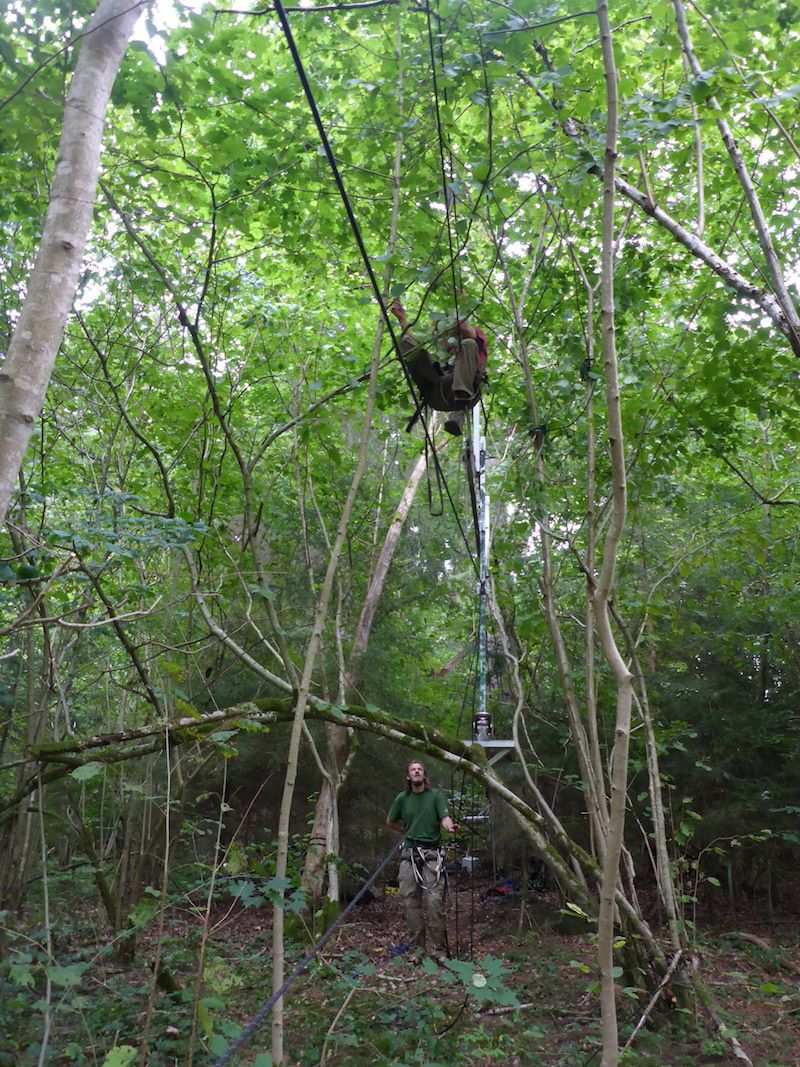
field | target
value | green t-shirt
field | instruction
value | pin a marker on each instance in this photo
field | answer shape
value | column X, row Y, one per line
column 421, row 815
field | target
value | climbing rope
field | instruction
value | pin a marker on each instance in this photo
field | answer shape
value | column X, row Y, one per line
column 445, row 155
column 301, row 73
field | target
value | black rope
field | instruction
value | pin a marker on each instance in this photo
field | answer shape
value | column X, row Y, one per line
column 298, row 969
column 473, row 497
column 301, row 73
column 437, row 511
column 446, row 166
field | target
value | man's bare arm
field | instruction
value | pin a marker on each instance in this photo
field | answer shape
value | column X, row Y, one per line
column 395, row 825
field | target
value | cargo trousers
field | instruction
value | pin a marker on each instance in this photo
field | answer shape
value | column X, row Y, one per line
column 424, row 902
column 449, row 388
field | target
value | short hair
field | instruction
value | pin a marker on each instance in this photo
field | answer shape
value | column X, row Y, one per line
column 425, row 781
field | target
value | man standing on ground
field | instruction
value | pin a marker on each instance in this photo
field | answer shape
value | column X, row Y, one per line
column 421, row 813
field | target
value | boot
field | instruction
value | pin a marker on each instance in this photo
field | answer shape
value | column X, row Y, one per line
column 454, row 423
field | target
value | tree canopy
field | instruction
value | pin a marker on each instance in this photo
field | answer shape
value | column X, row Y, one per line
column 221, row 453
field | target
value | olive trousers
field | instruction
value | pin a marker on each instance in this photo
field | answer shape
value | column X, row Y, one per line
column 424, row 902
column 448, row 388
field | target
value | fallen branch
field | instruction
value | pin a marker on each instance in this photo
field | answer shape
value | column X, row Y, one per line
column 765, row 946
column 336, row 1019
column 507, row 1011
column 724, row 1032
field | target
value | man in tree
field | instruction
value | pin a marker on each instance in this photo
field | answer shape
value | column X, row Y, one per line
column 455, row 386
column 420, row 813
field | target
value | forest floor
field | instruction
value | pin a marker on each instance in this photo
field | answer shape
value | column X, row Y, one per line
column 521, row 993
column 392, row 1009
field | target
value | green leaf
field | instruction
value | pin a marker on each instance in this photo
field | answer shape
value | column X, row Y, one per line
column 576, row 909
column 771, row 988
column 205, row 1020
column 120, row 1056
column 87, row 771
column 223, row 735
column 67, row 976
column 21, row 974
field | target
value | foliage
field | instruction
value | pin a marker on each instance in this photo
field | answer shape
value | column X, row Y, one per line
column 174, row 519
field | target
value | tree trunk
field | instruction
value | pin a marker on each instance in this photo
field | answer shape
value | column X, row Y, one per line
column 605, row 578
column 54, row 279
column 278, row 968
column 779, row 287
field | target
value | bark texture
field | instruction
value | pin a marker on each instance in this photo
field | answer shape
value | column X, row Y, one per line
column 339, row 736
column 51, row 288
column 609, row 897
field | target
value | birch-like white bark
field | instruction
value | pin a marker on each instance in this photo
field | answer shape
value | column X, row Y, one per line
column 25, row 375
column 605, row 578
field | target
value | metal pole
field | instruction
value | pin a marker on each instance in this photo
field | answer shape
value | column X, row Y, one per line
column 479, row 467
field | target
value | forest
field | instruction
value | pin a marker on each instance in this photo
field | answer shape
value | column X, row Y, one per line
column 248, row 575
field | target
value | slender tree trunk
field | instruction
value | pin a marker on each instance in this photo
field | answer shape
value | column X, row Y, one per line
column 595, row 793
column 605, row 579
column 18, row 842
column 300, row 707
column 54, row 279
column 663, row 872
column 325, row 813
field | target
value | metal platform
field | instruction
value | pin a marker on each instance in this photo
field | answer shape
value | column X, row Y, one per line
column 495, row 750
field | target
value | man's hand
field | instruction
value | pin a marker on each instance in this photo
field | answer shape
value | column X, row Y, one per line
column 399, row 313
column 449, row 825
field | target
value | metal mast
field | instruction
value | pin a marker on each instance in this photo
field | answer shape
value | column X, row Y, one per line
column 483, row 725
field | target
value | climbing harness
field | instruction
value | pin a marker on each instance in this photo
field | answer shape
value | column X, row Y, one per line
column 421, row 861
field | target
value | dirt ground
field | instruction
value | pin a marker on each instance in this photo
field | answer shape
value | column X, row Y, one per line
column 752, row 970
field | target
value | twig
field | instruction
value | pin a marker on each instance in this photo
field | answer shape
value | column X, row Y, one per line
column 332, row 1027
column 728, row 1035
column 647, row 1011
column 127, row 617
column 763, row 944
column 65, row 48
column 48, row 1011
column 507, row 1011
column 537, row 25
column 305, row 10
